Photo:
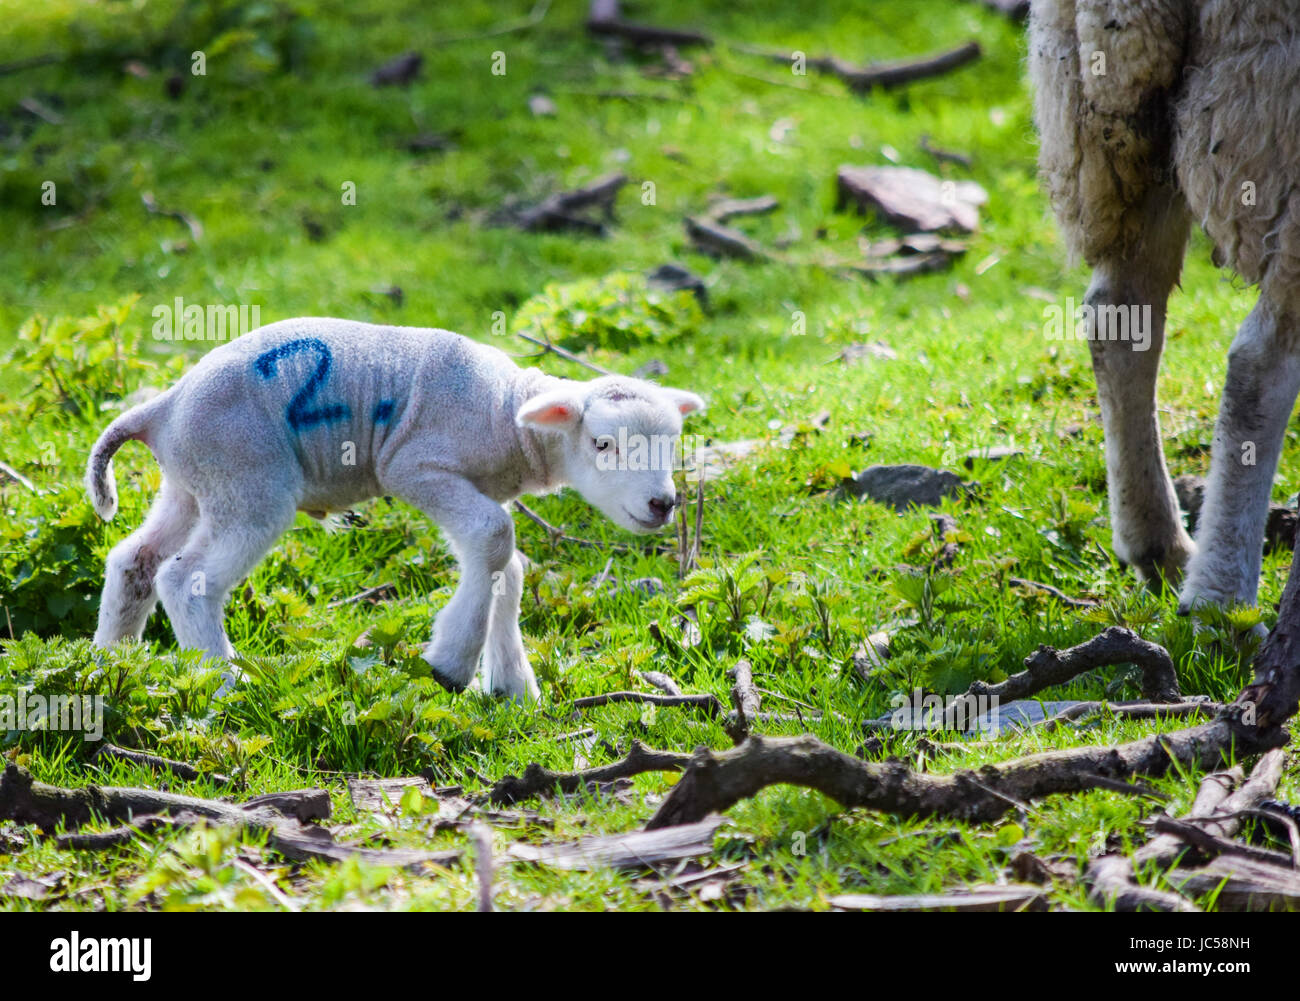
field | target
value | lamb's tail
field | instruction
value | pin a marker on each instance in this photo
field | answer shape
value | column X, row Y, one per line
column 135, row 425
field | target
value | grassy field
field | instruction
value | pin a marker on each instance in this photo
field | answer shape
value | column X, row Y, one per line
column 258, row 152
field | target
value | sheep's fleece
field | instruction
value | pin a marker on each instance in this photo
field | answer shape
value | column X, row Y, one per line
column 318, row 414
column 1152, row 114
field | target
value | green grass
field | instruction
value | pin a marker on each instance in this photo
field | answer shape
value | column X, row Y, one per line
column 258, row 150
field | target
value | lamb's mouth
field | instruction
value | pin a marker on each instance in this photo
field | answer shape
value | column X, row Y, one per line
column 646, row 526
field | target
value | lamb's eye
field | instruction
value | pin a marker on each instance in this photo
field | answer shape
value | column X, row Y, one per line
column 600, row 443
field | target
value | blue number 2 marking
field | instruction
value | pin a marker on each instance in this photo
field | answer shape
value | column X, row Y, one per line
column 297, row 414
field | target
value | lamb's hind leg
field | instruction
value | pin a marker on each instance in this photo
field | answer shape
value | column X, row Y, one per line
column 1260, row 390
column 225, row 545
column 1130, row 290
column 129, row 594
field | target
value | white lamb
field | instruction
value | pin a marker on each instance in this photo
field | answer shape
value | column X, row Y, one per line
column 318, row 414
column 1153, row 113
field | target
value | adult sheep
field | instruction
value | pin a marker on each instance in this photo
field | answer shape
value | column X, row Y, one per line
column 1153, row 113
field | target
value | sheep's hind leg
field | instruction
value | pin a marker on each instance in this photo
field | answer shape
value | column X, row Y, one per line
column 1127, row 297
column 129, row 594
column 1259, row 393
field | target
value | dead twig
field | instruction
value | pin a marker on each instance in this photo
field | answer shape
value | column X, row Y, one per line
column 659, row 680
column 709, row 703
column 945, row 155
column 17, row 477
column 1055, row 592
column 538, row 780
column 565, row 354
column 884, row 75
column 559, row 535
column 187, row 220
column 376, row 593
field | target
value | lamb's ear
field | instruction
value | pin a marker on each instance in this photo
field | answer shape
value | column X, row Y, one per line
column 558, row 410
column 686, row 402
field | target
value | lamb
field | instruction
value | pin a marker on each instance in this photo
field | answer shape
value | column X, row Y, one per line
column 1153, row 113
column 318, row 414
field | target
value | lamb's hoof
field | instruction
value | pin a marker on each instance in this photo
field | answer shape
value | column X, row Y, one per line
column 229, row 679
column 447, row 682
column 529, row 695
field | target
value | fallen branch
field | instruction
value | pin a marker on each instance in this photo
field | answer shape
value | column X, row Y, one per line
column 884, row 75
column 974, row 898
column 559, row 210
column 744, row 697
column 715, row 781
column 538, row 781
column 377, row 593
column 659, row 680
column 1048, row 666
column 730, row 207
column 281, row 815
column 1134, row 710
column 718, row 240
column 180, row 769
column 604, row 19
column 636, row 850
column 1110, row 878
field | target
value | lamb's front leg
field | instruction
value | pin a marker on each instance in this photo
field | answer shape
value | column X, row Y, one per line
column 483, row 539
column 1263, row 379
column 506, row 670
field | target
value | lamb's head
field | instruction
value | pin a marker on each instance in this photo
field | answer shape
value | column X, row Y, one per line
column 616, row 441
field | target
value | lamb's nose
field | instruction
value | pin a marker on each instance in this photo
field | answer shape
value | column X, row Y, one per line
column 662, row 507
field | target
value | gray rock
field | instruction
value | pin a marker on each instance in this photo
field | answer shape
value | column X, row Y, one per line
column 904, row 486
